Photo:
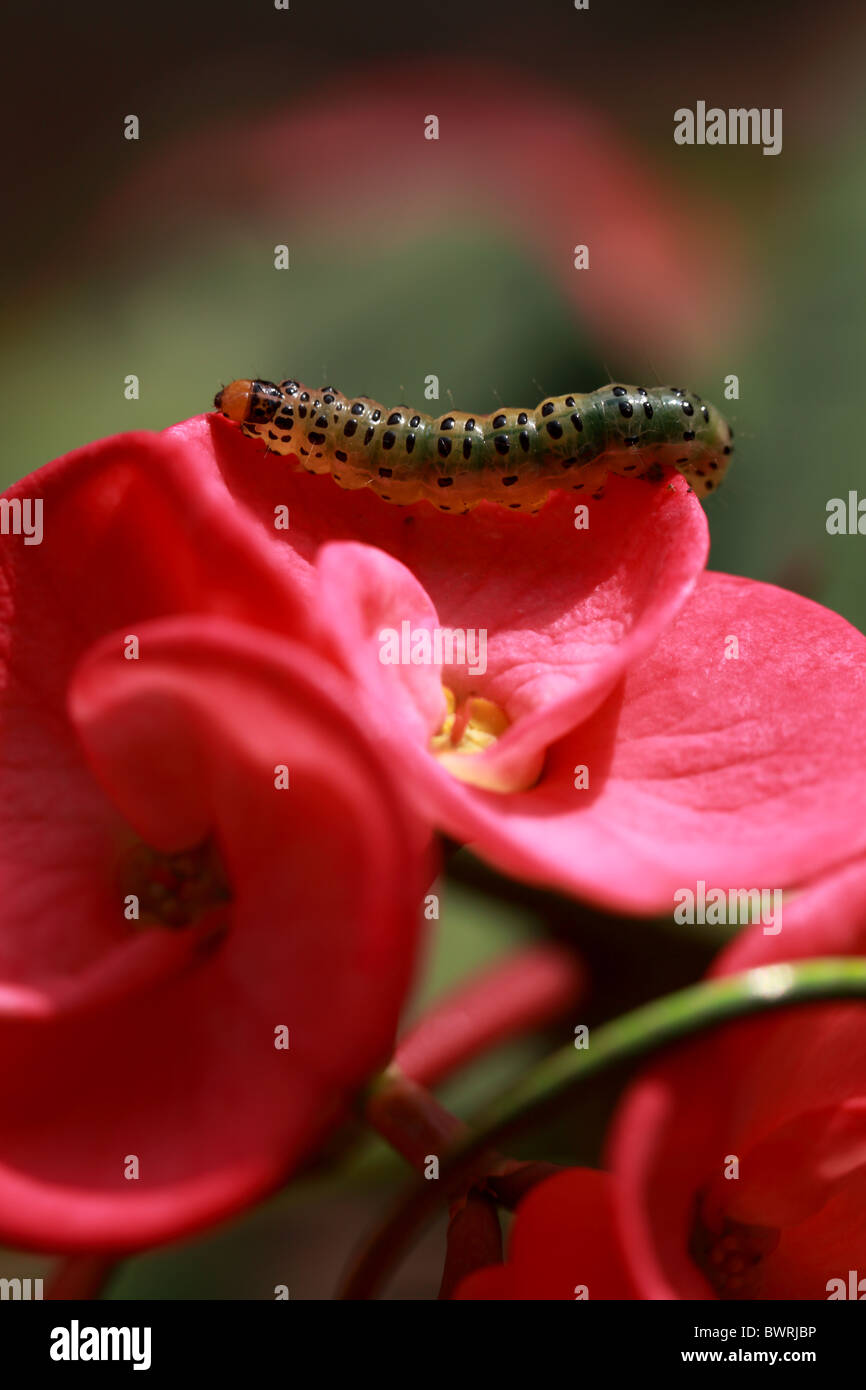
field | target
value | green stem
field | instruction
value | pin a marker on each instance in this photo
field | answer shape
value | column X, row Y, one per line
column 635, row 1035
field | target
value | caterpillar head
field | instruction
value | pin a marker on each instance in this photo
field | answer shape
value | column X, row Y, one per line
column 249, row 402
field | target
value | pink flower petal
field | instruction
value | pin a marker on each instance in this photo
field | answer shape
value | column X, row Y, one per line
column 134, row 527
column 180, row 1068
column 702, row 767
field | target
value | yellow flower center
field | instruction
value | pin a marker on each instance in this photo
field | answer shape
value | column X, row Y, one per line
column 477, row 725
column 472, row 728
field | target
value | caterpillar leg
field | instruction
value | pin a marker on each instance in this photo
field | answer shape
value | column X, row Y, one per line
column 589, row 480
column 653, row 473
column 638, row 464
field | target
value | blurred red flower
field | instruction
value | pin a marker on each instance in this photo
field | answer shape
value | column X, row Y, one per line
column 553, row 172
column 742, row 1158
column 739, row 1162
column 641, row 726
column 563, row 1245
column 210, row 879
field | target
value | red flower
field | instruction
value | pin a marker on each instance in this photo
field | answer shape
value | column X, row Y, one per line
column 564, row 1245
column 784, row 1096
column 198, row 964
column 640, row 728
column 742, row 1158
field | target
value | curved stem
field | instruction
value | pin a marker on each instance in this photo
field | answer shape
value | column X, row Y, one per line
column 474, row 1240
column 408, row 1118
column 635, row 1035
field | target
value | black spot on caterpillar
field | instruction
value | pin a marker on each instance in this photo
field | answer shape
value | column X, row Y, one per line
column 512, row 457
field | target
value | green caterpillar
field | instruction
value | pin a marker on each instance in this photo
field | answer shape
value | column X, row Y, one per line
column 511, row 457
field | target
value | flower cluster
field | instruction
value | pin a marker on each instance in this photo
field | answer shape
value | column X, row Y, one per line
column 229, row 742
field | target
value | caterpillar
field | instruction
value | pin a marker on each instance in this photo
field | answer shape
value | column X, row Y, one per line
column 511, row 457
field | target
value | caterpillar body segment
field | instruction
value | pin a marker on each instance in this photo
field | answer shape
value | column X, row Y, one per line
column 514, row 457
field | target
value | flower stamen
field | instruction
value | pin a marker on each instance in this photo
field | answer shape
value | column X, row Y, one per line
column 476, row 725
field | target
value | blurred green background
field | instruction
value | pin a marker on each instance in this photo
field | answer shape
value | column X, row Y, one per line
column 304, row 127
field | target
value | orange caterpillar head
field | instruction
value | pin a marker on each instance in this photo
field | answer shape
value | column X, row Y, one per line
column 249, row 402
